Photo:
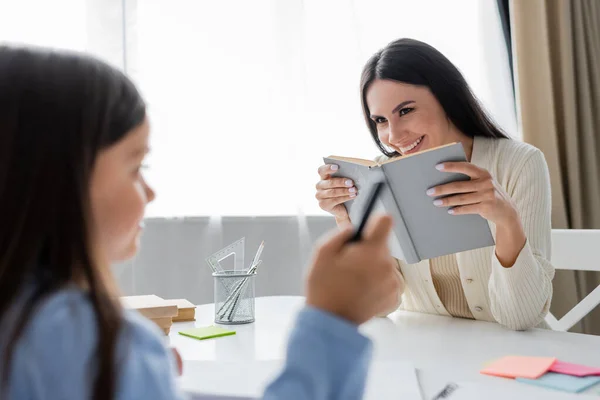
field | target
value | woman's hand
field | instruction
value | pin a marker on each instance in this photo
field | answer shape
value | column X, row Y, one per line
column 484, row 196
column 355, row 281
column 481, row 195
column 333, row 192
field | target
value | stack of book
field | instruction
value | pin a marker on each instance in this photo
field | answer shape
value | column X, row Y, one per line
column 162, row 312
column 186, row 310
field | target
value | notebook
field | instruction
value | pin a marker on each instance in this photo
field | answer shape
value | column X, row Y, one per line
column 562, row 367
column 150, row 306
column 486, row 390
column 421, row 230
column 565, row 383
column 519, row 367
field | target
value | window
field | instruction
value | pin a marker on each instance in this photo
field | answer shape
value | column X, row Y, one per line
column 246, row 97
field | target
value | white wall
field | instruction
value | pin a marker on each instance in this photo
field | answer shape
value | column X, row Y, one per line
column 171, row 263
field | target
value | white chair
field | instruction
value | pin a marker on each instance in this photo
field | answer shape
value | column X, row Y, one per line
column 576, row 250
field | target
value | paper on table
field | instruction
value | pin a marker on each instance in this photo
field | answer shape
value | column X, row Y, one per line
column 507, row 390
column 228, row 378
column 207, row 332
column 386, row 380
column 566, row 383
column 517, row 366
column 455, row 391
column 593, row 391
column 216, row 397
column 392, row 380
column 562, row 367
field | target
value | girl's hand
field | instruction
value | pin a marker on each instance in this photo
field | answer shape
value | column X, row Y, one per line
column 355, row 281
column 178, row 360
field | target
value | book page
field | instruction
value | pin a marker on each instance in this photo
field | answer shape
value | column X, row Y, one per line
column 366, row 163
column 398, row 158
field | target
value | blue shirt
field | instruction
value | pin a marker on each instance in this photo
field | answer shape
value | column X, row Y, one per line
column 327, row 358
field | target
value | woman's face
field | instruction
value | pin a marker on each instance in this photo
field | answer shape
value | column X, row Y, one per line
column 408, row 117
column 119, row 195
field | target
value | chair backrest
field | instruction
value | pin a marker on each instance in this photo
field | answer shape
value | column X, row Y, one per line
column 578, row 250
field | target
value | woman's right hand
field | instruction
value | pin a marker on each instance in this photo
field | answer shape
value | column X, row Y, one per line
column 333, row 192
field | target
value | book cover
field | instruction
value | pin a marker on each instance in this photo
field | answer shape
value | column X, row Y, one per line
column 421, row 230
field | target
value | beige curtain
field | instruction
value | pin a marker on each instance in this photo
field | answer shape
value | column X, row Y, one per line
column 557, row 68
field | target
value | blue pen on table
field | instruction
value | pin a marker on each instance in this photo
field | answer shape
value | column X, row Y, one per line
column 446, row 391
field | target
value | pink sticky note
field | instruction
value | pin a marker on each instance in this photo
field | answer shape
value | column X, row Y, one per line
column 566, row 368
column 521, row 367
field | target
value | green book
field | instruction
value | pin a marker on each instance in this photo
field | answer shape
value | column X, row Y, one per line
column 207, row 332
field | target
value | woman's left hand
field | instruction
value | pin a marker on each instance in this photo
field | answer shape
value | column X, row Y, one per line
column 481, row 195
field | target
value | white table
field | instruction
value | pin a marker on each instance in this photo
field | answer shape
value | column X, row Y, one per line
column 442, row 348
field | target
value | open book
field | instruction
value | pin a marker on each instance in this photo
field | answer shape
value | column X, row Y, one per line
column 421, row 230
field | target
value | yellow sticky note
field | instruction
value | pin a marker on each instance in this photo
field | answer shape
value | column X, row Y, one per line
column 207, row 332
column 519, row 367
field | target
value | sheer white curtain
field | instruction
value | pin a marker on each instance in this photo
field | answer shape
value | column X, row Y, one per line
column 92, row 26
column 246, row 97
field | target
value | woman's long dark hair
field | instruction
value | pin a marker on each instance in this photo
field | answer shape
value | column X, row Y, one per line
column 57, row 112
column 417, row 63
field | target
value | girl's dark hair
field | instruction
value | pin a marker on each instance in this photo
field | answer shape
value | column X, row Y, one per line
column 58, row 110
column 417, row 63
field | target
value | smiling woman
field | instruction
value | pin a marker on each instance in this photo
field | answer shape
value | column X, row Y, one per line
column 415, row 99
column 411, row 77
